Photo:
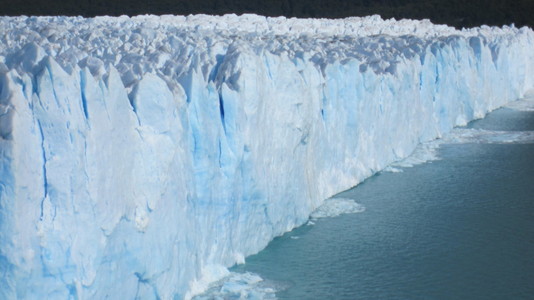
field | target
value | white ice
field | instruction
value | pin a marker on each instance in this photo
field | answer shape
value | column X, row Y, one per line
column 429, row 151
column 334, row 207
column 240, row 286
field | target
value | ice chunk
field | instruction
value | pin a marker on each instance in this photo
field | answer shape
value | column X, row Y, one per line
column 526, row 104
column 429, row 151
column 334, row 207
column 242, row 286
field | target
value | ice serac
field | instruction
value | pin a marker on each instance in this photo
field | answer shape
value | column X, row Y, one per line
column 140, row 156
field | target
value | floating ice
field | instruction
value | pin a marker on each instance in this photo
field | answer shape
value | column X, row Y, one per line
column 429, row 151
column 240, row 286
column 526, row 104
column 423, row 153
column 210, row 274
column 334, row 207
column 479, row 136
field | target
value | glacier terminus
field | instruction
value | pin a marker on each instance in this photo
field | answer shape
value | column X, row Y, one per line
column 140, row 157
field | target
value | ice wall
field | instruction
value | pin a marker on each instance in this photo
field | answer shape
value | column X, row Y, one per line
column 140, row 156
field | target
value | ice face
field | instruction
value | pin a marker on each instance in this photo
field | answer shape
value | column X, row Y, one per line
column 138, row 155
column 428, row 151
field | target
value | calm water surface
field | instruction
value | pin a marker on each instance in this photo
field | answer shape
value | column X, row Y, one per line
column 457, row 228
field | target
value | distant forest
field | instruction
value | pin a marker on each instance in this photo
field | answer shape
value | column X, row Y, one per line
column 458, row 13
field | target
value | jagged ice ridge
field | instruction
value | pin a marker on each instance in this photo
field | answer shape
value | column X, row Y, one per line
column 140, row 156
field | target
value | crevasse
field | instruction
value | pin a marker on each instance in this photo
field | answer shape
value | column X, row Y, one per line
column 140, row 156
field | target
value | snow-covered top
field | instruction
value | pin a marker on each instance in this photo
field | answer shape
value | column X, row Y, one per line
column 170, row 45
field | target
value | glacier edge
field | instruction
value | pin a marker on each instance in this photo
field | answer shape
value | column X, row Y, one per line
column 137, row 154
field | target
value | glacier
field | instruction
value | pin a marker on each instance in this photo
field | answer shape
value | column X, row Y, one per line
column 142, row 156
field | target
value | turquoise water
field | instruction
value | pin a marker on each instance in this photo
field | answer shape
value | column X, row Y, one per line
column 461, row 227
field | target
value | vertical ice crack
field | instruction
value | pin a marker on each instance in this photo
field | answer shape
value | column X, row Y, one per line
column 45, row 180
column 83, row 86
column 221, row 111
column 220, row 155
column 47, row 66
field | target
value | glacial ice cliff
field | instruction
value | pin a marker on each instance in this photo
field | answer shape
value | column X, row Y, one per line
column 140, row 156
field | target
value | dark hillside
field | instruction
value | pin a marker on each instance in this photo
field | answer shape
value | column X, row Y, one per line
column 459, row 13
